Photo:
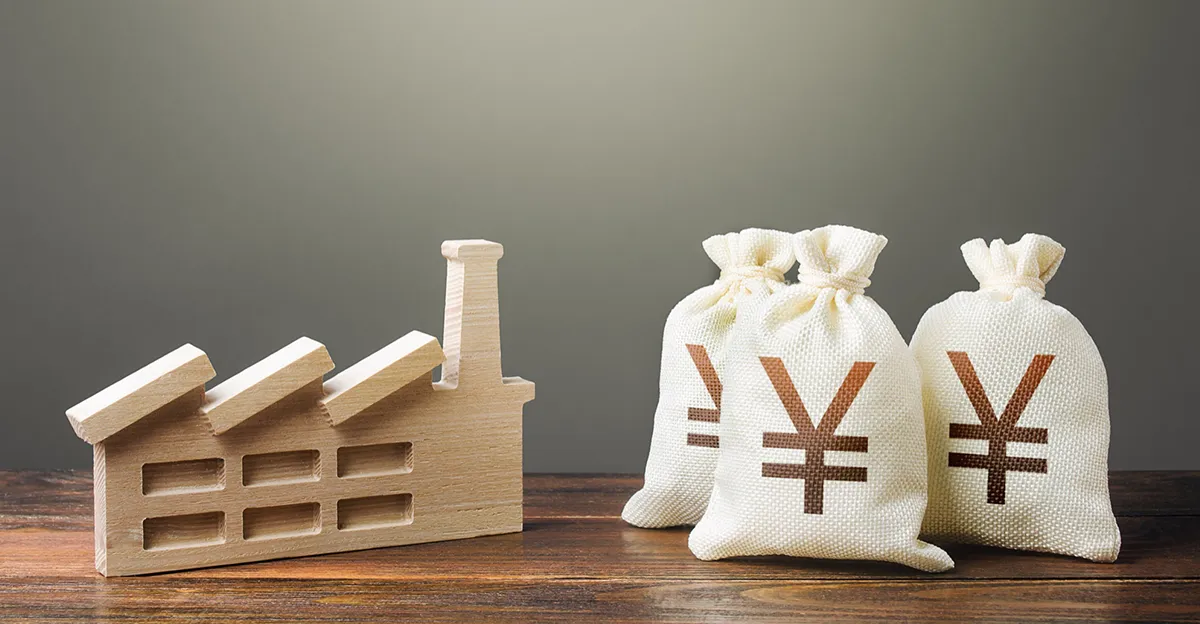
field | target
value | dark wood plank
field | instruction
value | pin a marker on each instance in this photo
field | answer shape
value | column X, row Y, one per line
column 1136, row 493
column 578, row 496
column 63, row 498
column 53, row 499
column 578, row 559
column 1155, row 493
column 606, row 548
column 173, row 599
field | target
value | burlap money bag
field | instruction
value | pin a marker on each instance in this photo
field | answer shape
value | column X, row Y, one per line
column 684, row 446
column 822, row 434
column 1016, row 410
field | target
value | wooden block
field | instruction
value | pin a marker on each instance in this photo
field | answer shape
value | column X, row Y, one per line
column 274, row 463
column 472, row 332
column 141, row 393
column 380, row 374
column 272, row 379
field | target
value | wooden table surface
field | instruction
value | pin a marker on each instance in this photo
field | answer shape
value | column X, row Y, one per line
column 577, row 559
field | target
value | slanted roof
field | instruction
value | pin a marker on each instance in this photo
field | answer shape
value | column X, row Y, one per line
column 134, row 397
column 379, row 375
column 260, row 386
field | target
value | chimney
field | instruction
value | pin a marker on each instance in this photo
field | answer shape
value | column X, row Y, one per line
column 471, row 340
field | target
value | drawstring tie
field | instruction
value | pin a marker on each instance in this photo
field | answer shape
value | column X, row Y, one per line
column 752, row 272
column 1009, row 283
column 820, row 279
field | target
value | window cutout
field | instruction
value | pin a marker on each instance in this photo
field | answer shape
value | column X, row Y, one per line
column 374, row 460
column 375, row 512
column 190, row 531
column 262, row 523
column 183, row 477
column 281, row 468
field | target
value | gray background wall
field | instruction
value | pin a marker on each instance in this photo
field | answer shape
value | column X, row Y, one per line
column 238, row 174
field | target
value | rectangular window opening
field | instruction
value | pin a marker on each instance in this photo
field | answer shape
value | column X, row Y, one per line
column 374, row 460
column 183, row 477
column 263, row 523
column 375, row 512
column 187, row 531
column 281, row 468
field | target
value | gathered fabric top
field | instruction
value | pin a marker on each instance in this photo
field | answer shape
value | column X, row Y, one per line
column 751, row 254
column 1027, row 263
column 837, row 256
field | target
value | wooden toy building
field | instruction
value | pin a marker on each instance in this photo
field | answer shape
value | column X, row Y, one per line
column 274, row 462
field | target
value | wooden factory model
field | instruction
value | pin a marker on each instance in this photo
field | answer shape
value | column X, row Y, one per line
column 276, row 462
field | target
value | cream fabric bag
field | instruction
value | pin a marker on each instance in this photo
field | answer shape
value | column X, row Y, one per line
column 684, row 446
column 1016, row 411
column 822, row 435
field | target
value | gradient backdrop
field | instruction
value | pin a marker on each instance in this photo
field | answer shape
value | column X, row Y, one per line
column 238, row 174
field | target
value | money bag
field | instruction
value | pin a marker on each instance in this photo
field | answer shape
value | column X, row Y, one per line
column 685, row 443
column 1016, row 411
column 822, row 431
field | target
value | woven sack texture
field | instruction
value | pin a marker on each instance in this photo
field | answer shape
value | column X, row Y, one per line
column 822, row 433
column 684, row 446
column 1016, row 411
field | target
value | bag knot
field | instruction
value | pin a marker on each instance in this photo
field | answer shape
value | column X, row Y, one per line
column 838, row 257
column 822, row 279
column 1009, row 283
column 752, row 272
column 1027, row 263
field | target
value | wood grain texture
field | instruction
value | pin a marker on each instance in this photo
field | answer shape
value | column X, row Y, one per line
column 1162, row 548
column 577, row 560
column 140, row 393
column 54, row 499
column 269, row 381
column 161, row 599
column 275, row 462
column 376, row 376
